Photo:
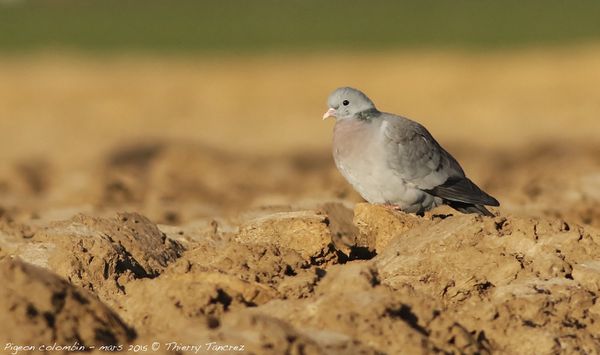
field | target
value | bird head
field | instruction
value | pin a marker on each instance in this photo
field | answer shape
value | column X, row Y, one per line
column 347, row 103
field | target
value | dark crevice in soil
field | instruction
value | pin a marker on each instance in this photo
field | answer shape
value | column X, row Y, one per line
column 406, row 314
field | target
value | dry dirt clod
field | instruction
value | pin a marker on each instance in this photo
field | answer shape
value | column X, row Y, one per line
column 38, row 307
column 587, row 273
column 102, row 254
column 345, row 235
column 198, row 301
column 533, row 275
column 378, row 225
column 305, row 232
column 267, row 335
column 351, row 303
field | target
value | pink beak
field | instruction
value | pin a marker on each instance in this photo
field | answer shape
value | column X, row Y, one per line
column 330, row 113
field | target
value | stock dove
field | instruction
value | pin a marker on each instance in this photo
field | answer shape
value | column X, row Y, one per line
column 395, row 161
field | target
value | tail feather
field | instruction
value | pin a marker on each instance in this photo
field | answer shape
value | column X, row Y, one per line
column 469, row 208
column 461, row 189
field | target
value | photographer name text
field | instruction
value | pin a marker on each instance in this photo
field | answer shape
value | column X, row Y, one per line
column 15, row 349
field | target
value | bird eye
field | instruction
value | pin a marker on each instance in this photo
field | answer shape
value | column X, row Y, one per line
column 345, row 102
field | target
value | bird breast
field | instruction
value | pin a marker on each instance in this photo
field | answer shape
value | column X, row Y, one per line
column 359, row 156
column 351, row 138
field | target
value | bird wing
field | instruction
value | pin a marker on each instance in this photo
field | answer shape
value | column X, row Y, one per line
column 463, row 190
column 419, row 159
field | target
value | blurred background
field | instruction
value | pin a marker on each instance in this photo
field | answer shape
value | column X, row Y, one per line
column 184, row 109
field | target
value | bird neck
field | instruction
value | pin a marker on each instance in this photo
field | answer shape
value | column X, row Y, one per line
column 367, row 114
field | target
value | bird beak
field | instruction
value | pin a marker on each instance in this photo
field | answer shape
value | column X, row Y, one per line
column 330, row 113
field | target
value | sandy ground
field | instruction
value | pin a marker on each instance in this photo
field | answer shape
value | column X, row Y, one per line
column 150, row 201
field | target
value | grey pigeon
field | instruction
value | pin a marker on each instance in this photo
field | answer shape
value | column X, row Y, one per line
column 394, row 161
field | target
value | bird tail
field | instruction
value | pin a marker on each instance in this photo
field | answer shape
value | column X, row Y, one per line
column 469, row 208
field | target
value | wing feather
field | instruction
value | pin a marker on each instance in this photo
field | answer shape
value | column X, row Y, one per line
column 420, row 160
column 463, row 190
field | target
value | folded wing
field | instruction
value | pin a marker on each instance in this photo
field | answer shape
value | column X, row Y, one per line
column 463, row 190
column 420, row 160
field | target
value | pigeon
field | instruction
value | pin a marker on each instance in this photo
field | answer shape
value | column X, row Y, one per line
column 394, row 161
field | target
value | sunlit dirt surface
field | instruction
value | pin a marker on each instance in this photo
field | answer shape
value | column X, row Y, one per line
column 197, row 199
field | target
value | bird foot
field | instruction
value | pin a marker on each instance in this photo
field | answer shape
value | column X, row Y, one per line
column 391, row 207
